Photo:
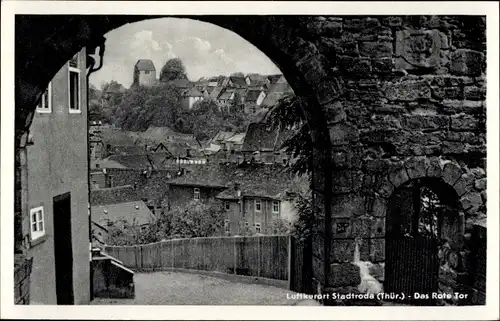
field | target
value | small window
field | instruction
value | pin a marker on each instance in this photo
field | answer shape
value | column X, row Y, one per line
column 257, row 227
column 37, row 223
column 74, row 90
column 227, row 226
column 258, row 206
column 144, row 228
column 45, row 105
column 147, row 72
column 196, row 194
column 227, row 205
column 276, row 207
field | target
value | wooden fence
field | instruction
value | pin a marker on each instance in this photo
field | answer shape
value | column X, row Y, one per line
column 257, row 256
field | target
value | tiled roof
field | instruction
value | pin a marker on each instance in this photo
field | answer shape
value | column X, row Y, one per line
column 193, row 92
column 274, row 78
column 113, row 195
column 257, row 79
column 181, row 83
column 238, row 81
column 135, row 212
column 106, row 163
column 252, row 95
column 131, row 161
column 260, row 137
column 254, row 180
column 117, row 137
column 226, row 94
column 222, row 136
column 145, row 64
column 152, row 187
column 237, row 138
column 114, row 88
column 128, row 150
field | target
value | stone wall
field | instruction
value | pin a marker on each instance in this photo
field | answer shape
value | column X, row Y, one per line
column 413, row 106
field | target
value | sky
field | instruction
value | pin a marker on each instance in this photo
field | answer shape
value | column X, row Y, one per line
column 205, row 49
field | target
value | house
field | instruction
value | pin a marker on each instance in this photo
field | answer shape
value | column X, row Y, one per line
column 144, row 73
column 96, row 147
column 277, row 91
column 191, row 96
column 255, row 96
column 226, row 96
column 256, row 80
column 116, row 207
column 235, row 142
column 259, row 143
column 257, row 200
column 237, row 82
column 55, row 217
column 196, row 184
column 112, row 138
column 150, row 185
column 181, row 84
column 255, row 193
column 274, row 79
column 112, row 90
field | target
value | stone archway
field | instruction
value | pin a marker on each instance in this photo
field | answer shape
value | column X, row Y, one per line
column 285, row 40
column 392, row 98
column 435, row 258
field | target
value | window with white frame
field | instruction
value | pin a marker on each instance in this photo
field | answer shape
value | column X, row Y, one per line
column 37, row 223
column 258, row 206
column 227, row 226
column 257, row 227
column 276, row 207
column 74, row 86
column 45, row 105
column 197, row 194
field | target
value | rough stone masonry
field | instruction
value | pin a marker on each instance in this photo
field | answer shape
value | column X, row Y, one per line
column 413, row 107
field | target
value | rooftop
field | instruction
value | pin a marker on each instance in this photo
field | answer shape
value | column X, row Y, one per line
column 260, row 137
column 145, row 65
column 113, row 195
column 135, row 212
column 254, row 179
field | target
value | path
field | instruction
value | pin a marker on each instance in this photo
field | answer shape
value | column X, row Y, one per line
column 174, row 288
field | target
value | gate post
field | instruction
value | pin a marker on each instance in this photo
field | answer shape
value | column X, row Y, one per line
column 290, row 263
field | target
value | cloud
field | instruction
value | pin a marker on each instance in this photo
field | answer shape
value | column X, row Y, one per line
column 144, row 39
column 221, row 55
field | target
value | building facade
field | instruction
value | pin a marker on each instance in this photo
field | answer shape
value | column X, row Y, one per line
column 57, row 227
column 144, row 73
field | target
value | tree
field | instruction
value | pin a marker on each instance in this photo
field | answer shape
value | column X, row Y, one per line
column 172, row 70
column 287, row 116
column 142, row 107
column 203, row 120
column 197, row 219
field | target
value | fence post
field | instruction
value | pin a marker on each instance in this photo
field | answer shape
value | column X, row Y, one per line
column 290, row 263
column 172, row 253
column 259, row 260
column 235, row 256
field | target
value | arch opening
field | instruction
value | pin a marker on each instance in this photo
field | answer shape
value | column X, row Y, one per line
column 61, row 45
column 424, row 234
